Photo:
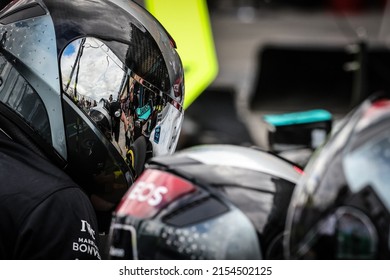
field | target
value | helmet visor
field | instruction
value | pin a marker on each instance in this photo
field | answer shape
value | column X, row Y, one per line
column 120, row 103
column 107, row 107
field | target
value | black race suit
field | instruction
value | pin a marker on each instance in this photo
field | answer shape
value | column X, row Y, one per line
column 43, row 213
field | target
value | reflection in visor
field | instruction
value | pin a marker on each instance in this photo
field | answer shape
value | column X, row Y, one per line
column 122, row 105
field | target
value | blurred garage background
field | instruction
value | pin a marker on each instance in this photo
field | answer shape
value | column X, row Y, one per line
column 281, row 56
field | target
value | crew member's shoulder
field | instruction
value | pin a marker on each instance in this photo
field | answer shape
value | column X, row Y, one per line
column 28, row 179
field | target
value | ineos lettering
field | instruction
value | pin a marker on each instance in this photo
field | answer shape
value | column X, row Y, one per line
column 148, row 192
column 145, row 192
column 157, row 196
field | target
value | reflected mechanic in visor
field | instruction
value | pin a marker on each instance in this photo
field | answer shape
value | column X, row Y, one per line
column 340, row 210
column 60, row 63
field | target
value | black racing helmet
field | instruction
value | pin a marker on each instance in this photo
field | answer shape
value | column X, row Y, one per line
column 59, row 59
column 206, row 202
column 340, row 208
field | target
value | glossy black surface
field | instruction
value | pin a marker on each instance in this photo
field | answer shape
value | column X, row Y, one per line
column 340, row 210
column 262, row 197
column 75, row 18
column 36, row 36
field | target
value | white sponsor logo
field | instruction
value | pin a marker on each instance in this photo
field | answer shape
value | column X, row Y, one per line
column 89, row 247
column 86, row 245
column 148, row 192
column 86, row 227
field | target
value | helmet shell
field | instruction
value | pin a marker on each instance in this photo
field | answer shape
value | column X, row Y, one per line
column 60, row 59
column 206, row 202
column 340, row 207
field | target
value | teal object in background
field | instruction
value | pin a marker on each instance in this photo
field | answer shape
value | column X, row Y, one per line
column 144, row 112
column 304, row 117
